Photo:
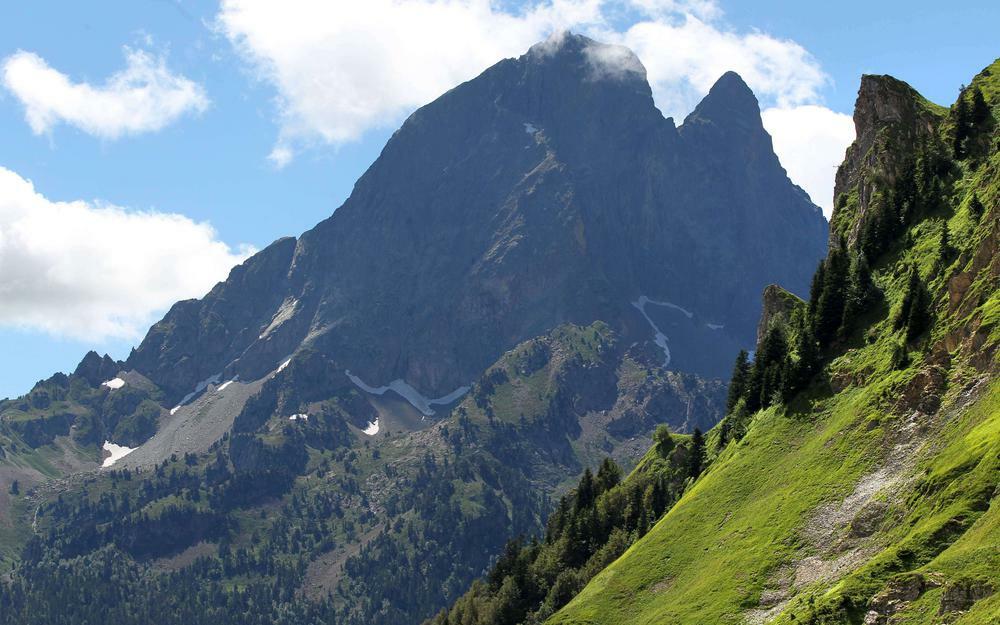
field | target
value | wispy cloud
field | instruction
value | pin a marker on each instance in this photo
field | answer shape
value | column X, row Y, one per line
column 95, row 271
column 143, row 97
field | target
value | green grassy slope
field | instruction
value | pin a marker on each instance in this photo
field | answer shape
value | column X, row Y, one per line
column 871, row 497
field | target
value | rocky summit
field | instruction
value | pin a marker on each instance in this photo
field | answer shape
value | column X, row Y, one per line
column 547, row 190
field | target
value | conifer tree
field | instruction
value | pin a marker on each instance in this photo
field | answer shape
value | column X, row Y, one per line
column 808, row 362
column 770, row 366
column 976, row 208
column 919, row 315
column 859, row 292
column 980, row 112
column 697, row 458
column 586, row 491
column 739, row 380
column 608, row 475
column 945, row 250
column 962, row 123
column 816, row 288
column 830, row 307
column 914, row 313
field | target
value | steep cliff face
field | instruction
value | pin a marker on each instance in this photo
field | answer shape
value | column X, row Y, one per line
column 891, row 121
column 777, row 307
column 547, row 190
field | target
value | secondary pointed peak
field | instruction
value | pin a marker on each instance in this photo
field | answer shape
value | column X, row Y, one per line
column 730, row 101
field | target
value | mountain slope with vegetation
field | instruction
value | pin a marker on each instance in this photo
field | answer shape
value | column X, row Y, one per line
column 316, row 519
column 856, row 472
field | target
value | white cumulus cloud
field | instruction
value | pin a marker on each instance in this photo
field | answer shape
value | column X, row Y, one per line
column 95, row 271
column 810, row 140
column 343, row 68
column 143, row 97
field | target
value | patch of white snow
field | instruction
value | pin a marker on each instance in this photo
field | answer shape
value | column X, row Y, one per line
column 658, row 337
column 643, row 300
column 296, row 417
column 403, row 389
column 282, row 366
column 223, row 386
column 372, row 428
column 114, row 383
column 174, row 409
column 201, row 386
column 117, row 453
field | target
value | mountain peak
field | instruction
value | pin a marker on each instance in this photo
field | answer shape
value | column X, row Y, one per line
column 729, row 100
column 601, row 60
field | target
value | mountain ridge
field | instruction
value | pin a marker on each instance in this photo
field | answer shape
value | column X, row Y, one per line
column 560, row 181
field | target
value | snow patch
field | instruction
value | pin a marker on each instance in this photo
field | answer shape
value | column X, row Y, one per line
column 372, row 428
column 530, row 128
column 714, row 326
column 117, row 453
column 224, row 385
column 659, row 337
column 201, row 386
column 410, row 394
column 282, row 366
column 296, row 417
column 114, row 383
column 643, row 300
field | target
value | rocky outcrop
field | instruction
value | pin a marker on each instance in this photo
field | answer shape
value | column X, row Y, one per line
column 959, row 596
column 899, row 592
column 890, row 120
column 777, row 307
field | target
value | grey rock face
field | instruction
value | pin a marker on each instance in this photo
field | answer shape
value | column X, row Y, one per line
column 547, row 190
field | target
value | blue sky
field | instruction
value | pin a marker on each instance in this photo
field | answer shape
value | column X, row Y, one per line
column 279, row 107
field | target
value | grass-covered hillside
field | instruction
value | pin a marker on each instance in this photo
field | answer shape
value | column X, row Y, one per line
column 856, row 477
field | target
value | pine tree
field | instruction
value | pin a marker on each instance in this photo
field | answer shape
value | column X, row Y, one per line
column 739, row 420
column 808, row 362
column 945, row 250
column 586, row 490
column 697, row 458
column 739, row 380
column 608, row 475
column 976, row 208
column 914, row 313
column 919, row 315
column 900, row 357
column 980, row 112
column 816, row 288
column 830, row 307
column 962, row 123
column 859, row 292
column 725, row 432
column 770, row 366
